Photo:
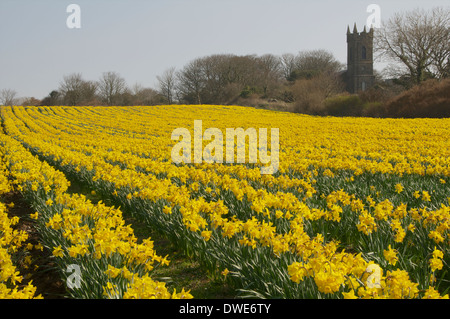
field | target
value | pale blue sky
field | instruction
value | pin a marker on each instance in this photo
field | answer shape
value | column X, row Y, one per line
column 139, row 39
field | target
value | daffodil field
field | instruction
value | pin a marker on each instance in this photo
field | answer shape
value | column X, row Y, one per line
column 358, row 208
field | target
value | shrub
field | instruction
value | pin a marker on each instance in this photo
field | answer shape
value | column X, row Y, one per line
column 429, row 99
column 247, row 91
column 372, row 109
column 344, row 105
column 310, row 94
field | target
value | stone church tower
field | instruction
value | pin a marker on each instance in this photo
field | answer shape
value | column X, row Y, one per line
column 359, row 75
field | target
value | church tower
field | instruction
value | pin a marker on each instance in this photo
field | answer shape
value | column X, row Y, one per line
column 360, row 75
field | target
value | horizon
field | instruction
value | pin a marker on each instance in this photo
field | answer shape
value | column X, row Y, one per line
column 140, row 40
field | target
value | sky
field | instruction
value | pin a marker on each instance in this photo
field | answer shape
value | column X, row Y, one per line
column 140, row 39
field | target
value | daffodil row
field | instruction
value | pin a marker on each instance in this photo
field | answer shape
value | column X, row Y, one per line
column 11, row 241
column 91, row 239
column 283, row 213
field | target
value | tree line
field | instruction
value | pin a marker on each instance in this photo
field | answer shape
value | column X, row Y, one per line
column 416, row 42
column 214, row 79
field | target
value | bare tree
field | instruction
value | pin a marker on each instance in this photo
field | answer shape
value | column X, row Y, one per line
column 7, row 96
column 309, row 64
column 145, row 96
column 167, row 84
column 287, row 64
column 220, row 78
column 111, row 86
column 191, row 82
column 29, row 101
column 310, row 94
column 76, row 91
column 271, row 72
column 417, row 40
column 89, row 92
column 136, row 88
